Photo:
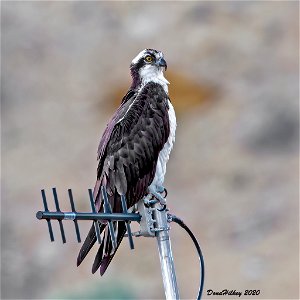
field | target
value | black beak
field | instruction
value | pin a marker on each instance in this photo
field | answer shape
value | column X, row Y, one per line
column 162, row 63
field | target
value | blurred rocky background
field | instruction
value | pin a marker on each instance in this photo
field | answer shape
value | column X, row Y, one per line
column 233, row 175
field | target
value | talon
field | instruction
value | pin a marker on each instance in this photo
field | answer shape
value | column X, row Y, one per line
column 166, row 193
column 163, row 208
column 162, row 190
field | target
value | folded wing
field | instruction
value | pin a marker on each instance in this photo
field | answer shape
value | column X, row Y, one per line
column 128, row 154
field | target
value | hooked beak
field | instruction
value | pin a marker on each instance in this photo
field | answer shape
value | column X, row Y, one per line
column 162, row 63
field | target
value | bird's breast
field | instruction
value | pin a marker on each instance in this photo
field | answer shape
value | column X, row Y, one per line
column 165, row 152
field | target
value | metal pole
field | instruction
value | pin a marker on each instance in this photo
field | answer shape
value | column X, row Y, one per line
column 165, row 253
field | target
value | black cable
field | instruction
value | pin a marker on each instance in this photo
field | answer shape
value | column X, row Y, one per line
column 201, row 259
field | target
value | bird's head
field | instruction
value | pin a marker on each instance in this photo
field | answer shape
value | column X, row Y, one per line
column 148, row 65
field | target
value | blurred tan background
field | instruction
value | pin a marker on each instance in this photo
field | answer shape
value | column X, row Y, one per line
column 233, row 175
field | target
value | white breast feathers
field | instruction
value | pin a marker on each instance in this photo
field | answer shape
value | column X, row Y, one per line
column 165, row 152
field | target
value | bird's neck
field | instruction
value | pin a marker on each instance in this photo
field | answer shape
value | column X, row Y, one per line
column 141, row 78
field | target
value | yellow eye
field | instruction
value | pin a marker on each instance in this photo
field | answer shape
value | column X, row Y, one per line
column 148, row 58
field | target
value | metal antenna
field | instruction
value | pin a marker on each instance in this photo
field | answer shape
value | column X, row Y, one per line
column 61, row 227
column 106, row 217
column 107, row 209
column 124, row 208
column 96, row 224
column 48, row 220
column 153, row 222
column 152, row 217
column 73, row 216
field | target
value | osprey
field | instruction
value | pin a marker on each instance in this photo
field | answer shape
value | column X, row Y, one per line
column 134, row 149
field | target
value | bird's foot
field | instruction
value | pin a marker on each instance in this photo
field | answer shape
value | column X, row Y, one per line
column 156, row 193
column 159, row 197
column 162, row 190
column 148, row 200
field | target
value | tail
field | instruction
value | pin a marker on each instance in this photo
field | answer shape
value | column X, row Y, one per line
column 91, row 237
column 88, row 243
column 105, row 252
